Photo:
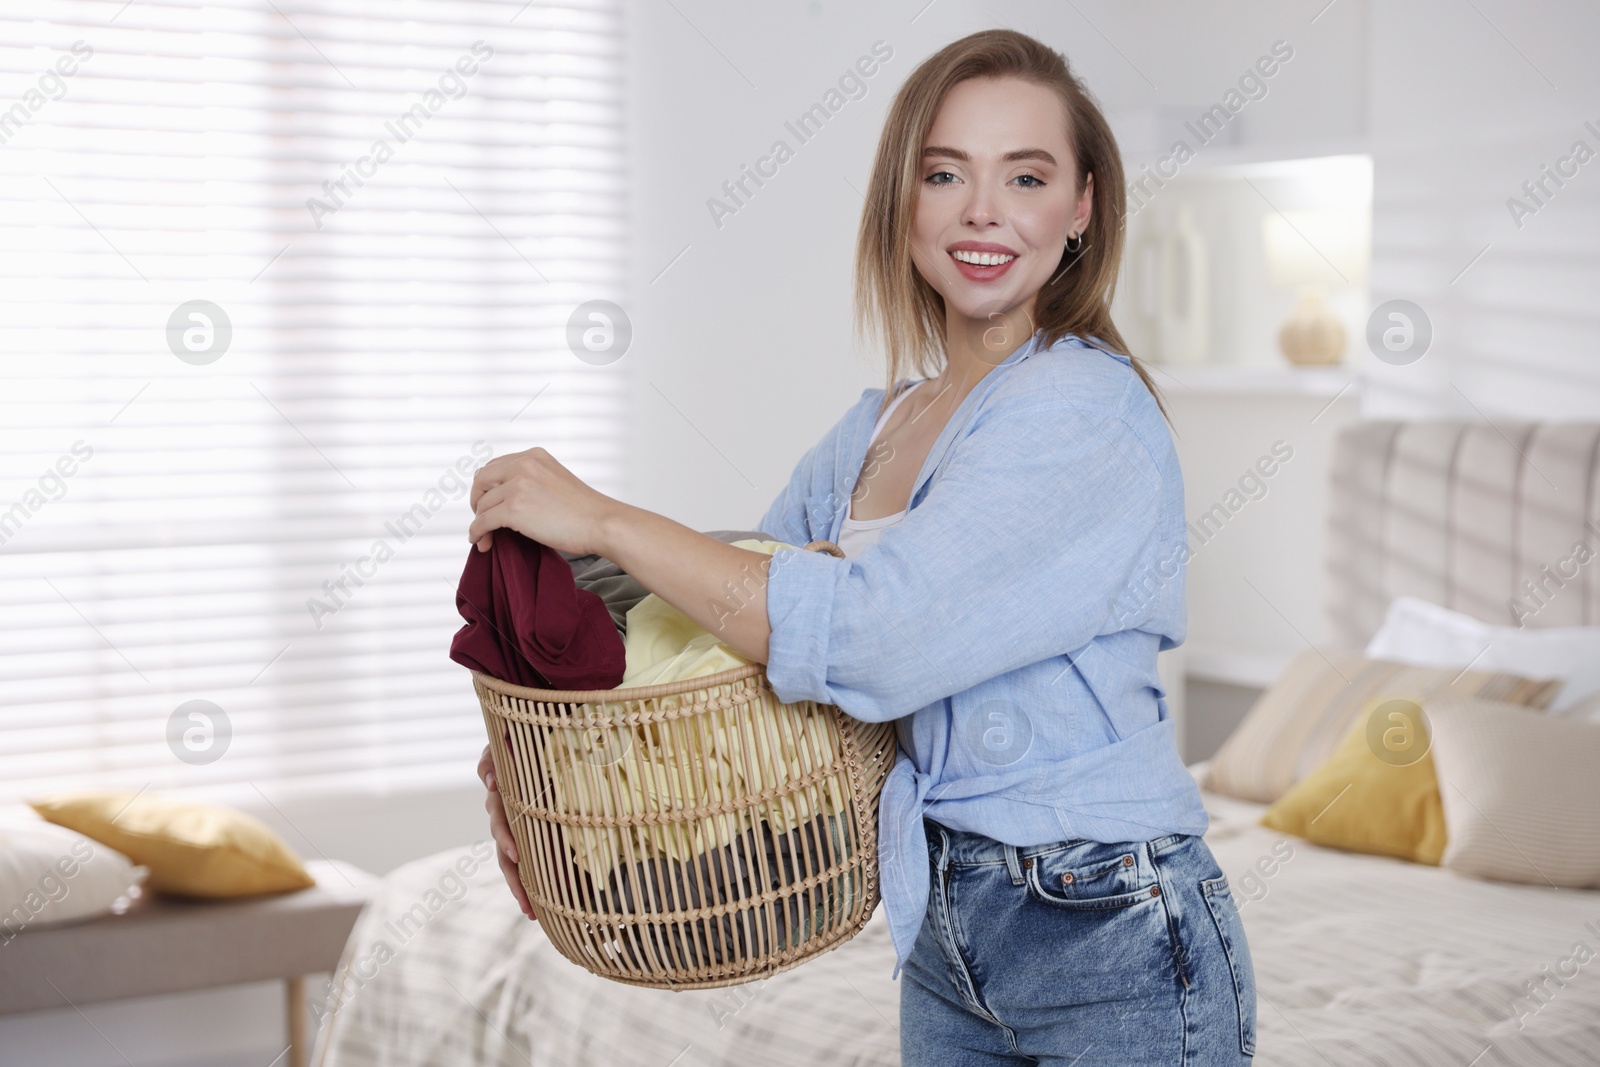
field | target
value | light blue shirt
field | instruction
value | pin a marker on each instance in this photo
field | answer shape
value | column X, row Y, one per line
column 1009, row 624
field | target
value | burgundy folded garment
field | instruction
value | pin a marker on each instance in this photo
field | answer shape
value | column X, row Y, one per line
column 529, row 624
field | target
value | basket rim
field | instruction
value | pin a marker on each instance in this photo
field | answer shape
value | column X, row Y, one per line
column 612, row 696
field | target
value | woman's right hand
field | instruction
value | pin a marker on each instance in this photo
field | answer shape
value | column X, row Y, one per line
column 500, row 829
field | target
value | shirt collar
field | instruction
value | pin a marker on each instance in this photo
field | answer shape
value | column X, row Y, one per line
column 856, row 455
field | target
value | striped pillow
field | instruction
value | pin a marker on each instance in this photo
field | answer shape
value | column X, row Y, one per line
column 1299, row 721
column 1519, row 792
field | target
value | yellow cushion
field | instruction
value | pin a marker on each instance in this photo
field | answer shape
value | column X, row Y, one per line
column 191, row 848
column 1360, row 801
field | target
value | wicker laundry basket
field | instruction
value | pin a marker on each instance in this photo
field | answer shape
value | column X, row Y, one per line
column 694, row 834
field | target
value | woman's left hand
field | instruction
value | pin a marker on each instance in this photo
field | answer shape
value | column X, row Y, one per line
column 533, row 494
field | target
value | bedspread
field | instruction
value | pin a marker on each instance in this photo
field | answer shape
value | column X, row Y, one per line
column 1360, row 960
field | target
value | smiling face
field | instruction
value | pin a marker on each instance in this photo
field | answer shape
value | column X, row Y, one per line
column 996, row 200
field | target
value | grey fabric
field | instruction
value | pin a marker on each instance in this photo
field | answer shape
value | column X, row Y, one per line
column 1466, row 515
column 621, row 591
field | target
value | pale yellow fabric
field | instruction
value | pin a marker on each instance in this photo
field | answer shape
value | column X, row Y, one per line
column 192, row 848
column 689, row 763
column 665, row 645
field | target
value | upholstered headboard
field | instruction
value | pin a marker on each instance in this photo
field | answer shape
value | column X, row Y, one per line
column 1499, row 521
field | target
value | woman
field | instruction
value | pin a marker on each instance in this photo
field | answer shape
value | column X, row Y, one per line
column 1015, row 548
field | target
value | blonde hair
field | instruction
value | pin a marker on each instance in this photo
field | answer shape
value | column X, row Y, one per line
column 908, row 313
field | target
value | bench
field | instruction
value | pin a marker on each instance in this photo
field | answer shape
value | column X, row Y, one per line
column 170, row 945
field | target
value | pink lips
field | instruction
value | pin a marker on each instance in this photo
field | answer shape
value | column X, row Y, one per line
column 981, row 246
column 975, row 272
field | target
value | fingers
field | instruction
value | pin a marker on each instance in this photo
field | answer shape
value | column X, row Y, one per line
column 500, row 829
column 492, row 515
column 514, row 880
column 492, row 496
column 506, row 851
column 500, row 826
column 488, row 476
column 500, row 470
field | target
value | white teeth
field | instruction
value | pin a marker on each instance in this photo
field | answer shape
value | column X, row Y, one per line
column 982, row 259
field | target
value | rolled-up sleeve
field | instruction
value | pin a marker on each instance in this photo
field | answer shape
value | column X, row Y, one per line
column 1018, row 552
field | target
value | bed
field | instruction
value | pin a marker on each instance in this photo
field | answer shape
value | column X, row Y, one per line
column 1359, row 959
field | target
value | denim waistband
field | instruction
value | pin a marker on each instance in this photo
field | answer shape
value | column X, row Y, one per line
column 972, row 849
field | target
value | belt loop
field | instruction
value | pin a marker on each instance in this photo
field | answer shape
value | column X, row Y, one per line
column 1013, row 864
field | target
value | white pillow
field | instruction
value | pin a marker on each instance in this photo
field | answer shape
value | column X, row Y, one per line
column 49, row 874
column 1587, row 708
column 1421, row 634
column 1519, row 792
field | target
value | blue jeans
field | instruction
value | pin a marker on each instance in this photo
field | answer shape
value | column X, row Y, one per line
column 1077, row 952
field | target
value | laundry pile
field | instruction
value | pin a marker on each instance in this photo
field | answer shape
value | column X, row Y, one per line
column 547, row 619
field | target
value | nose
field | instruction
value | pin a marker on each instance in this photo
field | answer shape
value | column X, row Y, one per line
column 980, row 208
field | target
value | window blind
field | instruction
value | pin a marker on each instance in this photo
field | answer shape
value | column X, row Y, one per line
column 279, row 275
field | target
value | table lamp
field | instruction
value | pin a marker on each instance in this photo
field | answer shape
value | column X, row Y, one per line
column 1313, row 250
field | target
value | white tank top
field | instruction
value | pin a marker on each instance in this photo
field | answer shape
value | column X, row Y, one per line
column 856, row 534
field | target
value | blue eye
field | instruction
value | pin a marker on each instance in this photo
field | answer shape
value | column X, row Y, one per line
column 1034, row 181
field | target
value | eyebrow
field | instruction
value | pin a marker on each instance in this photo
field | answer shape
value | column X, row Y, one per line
column 1010, row 157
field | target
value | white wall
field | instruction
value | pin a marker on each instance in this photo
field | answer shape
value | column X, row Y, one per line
column 1469, row 102
column 1255, row 584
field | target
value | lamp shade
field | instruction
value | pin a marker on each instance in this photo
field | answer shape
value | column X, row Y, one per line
column 1318, row 246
